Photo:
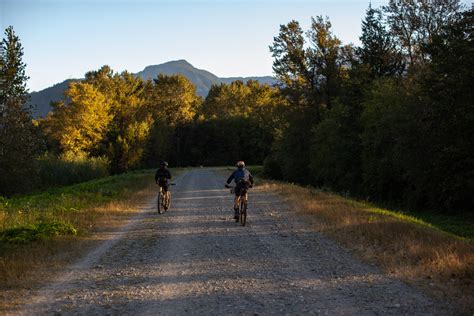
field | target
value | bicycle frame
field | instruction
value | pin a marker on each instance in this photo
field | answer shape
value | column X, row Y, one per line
column 242, row 202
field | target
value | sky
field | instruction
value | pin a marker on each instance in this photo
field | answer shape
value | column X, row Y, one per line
column 64, row 39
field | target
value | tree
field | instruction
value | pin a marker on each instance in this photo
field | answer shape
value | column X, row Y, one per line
column 444, row 176
column 325, row 61
column 131, row 122
column 18, row 139
column 290, row 62
column 81, row 125
column 309, row 76
column 414, row 22
column 378, row 49
column 311, row 71
column 173, row 99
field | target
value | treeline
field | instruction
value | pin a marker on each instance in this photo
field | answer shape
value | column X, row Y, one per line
column 391, row 120
column 135, row 123
column 115, row 122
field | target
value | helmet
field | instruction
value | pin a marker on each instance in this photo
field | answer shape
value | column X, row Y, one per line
column 163, row 164
column 240, row 164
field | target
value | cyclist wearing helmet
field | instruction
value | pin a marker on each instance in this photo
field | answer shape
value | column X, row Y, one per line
column 163, row 176
column 243, row 180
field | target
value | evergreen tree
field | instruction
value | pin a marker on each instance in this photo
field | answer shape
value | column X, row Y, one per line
column 378, row 49
column 18, row 142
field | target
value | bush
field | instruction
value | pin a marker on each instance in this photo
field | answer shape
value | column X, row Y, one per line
column 271, row 168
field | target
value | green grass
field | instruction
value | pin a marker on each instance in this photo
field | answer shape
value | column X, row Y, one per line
column 33, row 232
column 458, row 225
column 58, row 211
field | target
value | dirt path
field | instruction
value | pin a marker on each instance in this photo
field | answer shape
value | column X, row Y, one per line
column 196, row 260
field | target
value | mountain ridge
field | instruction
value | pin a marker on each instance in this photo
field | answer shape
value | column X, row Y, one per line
column 202, row 79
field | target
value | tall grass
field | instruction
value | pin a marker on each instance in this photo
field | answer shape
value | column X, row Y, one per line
column 62, row 171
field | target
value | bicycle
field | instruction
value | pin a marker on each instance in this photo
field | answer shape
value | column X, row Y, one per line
column 164, row 199
column 243, row 203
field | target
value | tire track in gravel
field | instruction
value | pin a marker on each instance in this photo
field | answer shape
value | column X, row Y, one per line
column 195, row 259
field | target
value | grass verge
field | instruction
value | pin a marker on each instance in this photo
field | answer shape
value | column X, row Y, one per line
column 403, row 246
column 42, row 232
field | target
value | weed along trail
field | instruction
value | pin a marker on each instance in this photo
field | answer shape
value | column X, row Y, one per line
column 195, row 259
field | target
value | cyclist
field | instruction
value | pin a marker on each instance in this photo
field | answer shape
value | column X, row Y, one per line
column 163, row 176
column 243, row 180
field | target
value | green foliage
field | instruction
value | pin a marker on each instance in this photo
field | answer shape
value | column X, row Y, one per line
column 18, row 136
column 444, row 176
column 272, row 168
column 221, row 142
column 41, row 231
column 414, row 23
column 310, row 69
column 173, row 99
column 292, row 148
column 378, row 50
column 402, row 138
column 336, row 150
column 388, row 124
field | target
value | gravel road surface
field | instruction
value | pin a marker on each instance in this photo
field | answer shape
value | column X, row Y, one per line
column 195, row 259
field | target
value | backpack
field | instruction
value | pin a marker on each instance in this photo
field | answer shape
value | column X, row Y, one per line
column 240, row 175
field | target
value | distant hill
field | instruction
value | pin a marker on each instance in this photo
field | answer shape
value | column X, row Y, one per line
column 40, row 100
column 202, row 79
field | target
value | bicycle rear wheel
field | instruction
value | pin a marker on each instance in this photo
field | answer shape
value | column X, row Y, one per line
column 243, row 210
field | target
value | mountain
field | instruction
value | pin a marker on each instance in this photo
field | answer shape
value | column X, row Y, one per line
column 40, row 100
column 202, row 79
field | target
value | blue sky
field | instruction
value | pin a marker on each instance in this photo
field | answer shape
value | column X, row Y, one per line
column 65, row 38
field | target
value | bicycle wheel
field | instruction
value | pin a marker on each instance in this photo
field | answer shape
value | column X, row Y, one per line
column 167, row 201
column 243, row 210
column 159, row 202
column 238, row 211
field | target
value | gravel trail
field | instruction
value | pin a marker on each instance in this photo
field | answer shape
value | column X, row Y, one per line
column 195, row 259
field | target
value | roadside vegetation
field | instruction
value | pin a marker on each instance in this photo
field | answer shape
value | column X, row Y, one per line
column 36, row 226
column 404, row 246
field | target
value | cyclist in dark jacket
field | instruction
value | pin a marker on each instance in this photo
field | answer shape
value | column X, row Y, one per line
column 243, row 180
column 163, row 176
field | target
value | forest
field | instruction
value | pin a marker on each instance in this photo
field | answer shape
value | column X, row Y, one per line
column 390, row 121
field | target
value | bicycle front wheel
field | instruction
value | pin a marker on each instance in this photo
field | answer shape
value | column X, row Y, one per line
column 167, row 201
column 159, row 202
